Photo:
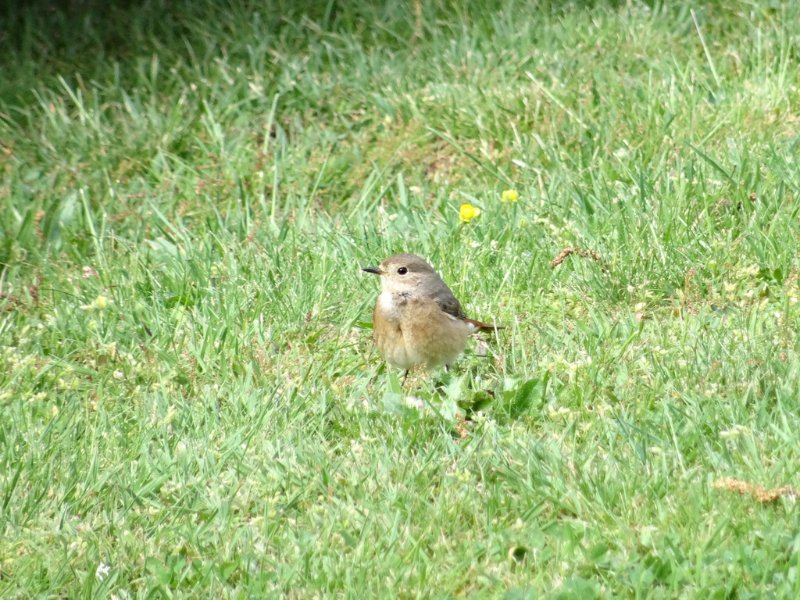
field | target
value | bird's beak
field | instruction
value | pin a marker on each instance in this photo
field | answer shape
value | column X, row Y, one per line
column 373, row 270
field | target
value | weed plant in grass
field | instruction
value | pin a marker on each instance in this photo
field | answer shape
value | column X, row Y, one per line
column 190, row 402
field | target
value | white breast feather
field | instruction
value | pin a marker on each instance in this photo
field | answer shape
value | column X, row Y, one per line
column 388, row 306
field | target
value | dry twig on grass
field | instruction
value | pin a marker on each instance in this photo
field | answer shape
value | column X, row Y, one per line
column 756, row 491
column 562, row 256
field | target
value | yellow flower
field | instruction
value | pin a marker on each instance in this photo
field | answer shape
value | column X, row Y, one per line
column 99, row 303
column 509, row 196
column 467, row 212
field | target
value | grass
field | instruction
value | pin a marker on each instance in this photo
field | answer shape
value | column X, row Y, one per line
column 191, row 404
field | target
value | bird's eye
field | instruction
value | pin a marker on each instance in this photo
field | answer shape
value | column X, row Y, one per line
column 402, row 271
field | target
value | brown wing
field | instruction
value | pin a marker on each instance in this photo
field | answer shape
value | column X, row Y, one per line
column 448, row 303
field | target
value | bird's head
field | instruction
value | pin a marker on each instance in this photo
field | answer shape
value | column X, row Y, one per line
column 404, row 273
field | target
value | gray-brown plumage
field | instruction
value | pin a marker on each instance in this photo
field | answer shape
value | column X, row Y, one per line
column 417, row 320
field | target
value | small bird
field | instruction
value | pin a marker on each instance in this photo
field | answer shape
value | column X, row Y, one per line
column 417, row 319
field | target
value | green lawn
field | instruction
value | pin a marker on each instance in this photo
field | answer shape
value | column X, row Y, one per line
column 190, row 402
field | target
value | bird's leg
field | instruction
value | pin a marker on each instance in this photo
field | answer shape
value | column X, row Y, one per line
column 405, row 376
column 441, row 382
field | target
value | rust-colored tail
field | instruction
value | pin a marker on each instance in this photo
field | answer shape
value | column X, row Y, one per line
column 483, row 326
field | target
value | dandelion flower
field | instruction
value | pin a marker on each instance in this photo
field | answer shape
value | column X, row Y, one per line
column 467, row 212
column 509, row 196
